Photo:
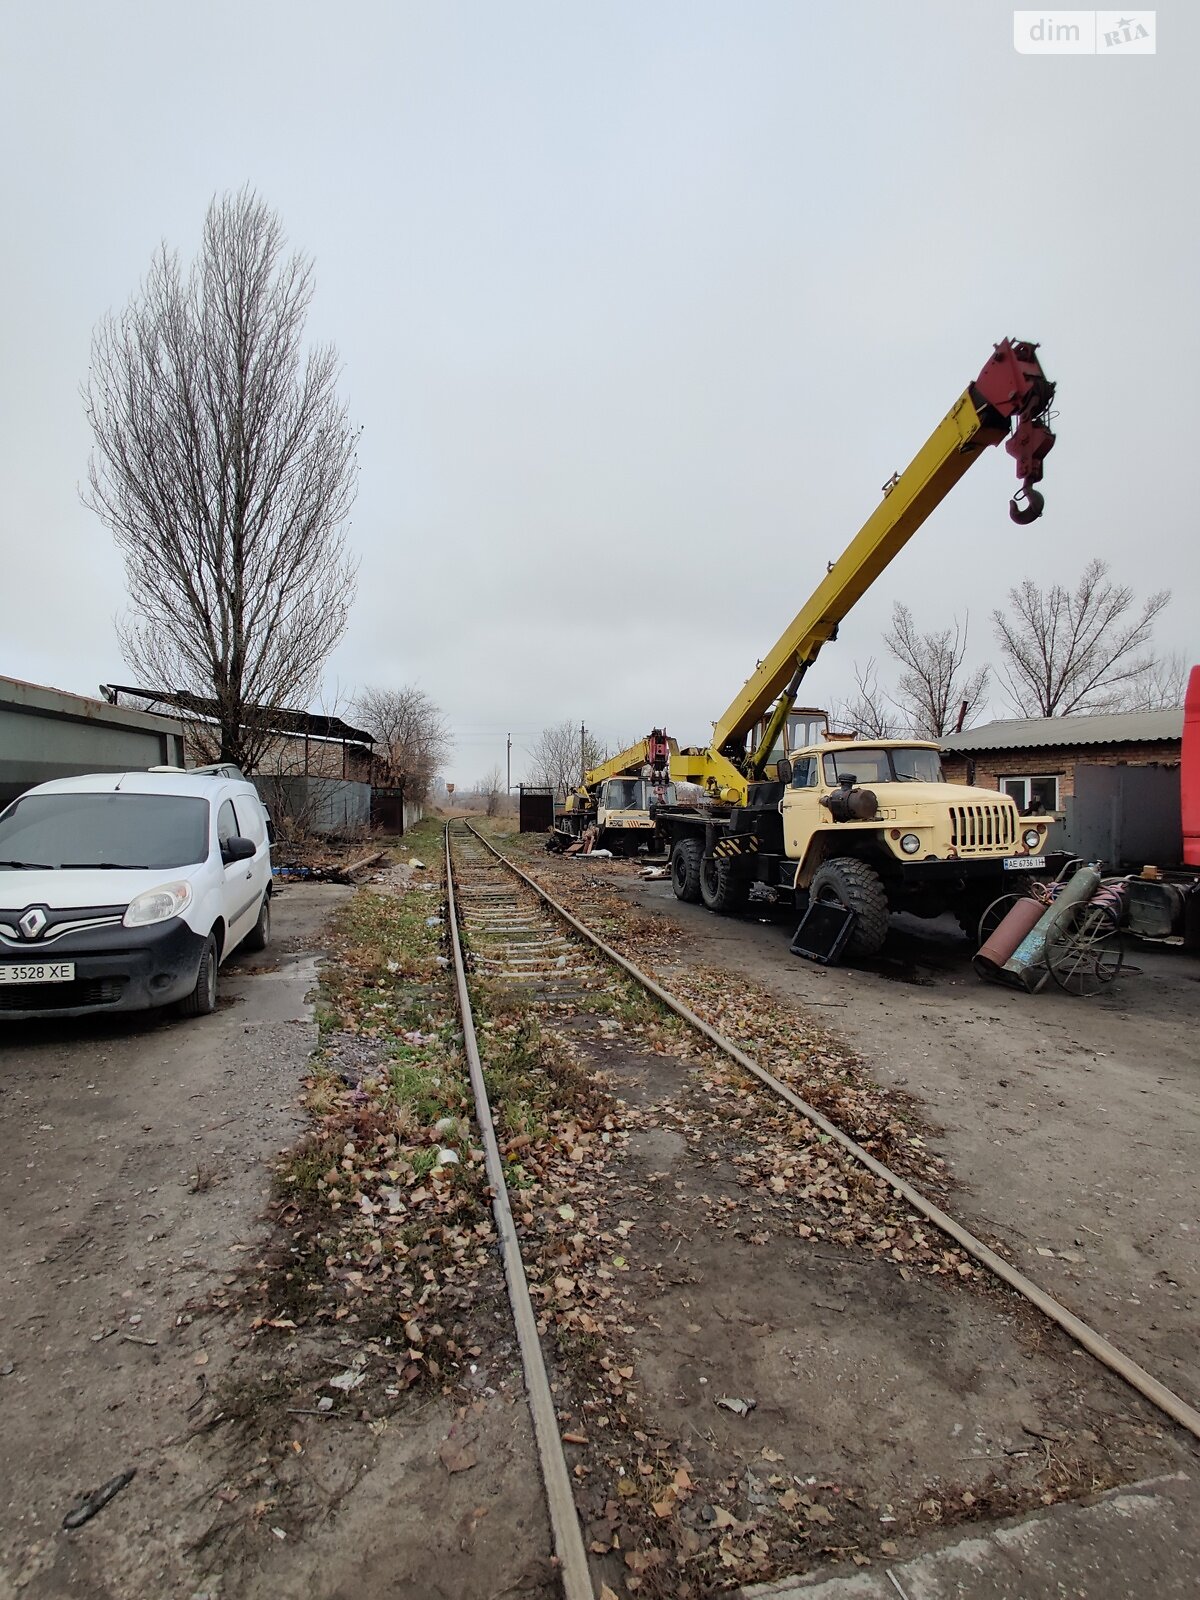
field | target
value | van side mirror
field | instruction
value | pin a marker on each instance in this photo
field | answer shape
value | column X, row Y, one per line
column 237, row 849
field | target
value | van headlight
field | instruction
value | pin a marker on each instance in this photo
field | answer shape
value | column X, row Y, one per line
column 1032, row 838
column 910, row 844
column 157, row 905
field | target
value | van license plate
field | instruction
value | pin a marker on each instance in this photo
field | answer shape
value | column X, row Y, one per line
column 1017, row 862
column 39, row 972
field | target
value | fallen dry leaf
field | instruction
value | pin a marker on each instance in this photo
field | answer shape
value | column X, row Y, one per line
column 457, row 1457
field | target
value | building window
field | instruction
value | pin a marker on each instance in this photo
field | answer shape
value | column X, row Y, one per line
column 1033, row 795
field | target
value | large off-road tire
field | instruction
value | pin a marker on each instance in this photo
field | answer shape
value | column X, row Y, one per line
column 685, row 869
column 203, row 998
column 723, row 887
column 851, row 883
column 259, row 936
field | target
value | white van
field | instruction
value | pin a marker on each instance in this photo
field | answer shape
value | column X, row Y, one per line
column 125, row 890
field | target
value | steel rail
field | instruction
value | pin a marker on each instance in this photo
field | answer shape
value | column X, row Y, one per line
column 1094, row 1343
column 564, row 1518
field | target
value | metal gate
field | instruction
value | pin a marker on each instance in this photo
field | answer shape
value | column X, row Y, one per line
column 537, row 808
column 387, row 810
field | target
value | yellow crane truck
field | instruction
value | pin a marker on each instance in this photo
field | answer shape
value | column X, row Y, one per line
column 868, row 824
column 613, row 807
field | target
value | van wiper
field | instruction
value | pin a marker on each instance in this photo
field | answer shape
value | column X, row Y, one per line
column 29, row 866
column 108, row 866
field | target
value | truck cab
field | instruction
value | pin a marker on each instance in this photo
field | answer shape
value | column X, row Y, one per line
column 623, row 819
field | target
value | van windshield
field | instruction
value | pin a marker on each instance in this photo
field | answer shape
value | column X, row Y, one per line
column 153, row 831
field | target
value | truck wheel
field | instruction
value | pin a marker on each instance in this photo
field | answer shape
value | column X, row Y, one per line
column 847, row 882
column 722, row 888
column 685, row 869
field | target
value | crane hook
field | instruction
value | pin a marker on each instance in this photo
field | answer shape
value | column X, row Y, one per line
column 1033, row 507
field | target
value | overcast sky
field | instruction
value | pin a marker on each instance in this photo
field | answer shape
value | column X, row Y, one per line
column 639, row 303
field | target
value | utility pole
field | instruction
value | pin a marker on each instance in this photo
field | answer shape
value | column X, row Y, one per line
column 508, row 768
column 582, row 751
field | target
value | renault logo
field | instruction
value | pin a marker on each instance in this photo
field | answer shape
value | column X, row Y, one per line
column 32, row 923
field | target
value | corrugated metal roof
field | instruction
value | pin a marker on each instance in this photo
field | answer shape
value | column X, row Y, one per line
column 1034, row 733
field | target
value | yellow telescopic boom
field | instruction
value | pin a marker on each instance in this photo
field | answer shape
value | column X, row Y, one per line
column 1011, row 386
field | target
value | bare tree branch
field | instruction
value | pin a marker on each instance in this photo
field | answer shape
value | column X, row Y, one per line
column 490, row 789
column 1160, row 686
column 557, row 760
column 1074, row 651
column 933, row 686
column 414, row 738
column 867, row 713
column 224, row 466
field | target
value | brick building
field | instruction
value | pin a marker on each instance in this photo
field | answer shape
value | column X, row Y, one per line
column 1035, row 759
column 1113, row 779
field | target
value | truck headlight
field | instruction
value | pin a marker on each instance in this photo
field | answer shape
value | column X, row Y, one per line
column 1032, row 838
column 910, row 844
column 157, row 905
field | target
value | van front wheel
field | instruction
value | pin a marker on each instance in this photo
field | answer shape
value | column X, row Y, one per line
column 203, row 999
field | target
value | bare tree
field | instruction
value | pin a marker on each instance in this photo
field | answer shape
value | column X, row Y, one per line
column 1161, row 686
column 560, row 755
column 224, row 465
column 414, row 738
column 1074, row 651
column 867, row 712
column 933, row 684
column 490, row 789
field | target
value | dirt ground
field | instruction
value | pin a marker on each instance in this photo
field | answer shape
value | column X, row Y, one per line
column 1071, row 1125
column 134, row 1177
column 762, row 1364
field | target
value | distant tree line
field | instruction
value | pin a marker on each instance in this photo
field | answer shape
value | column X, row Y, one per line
column 1062, row 652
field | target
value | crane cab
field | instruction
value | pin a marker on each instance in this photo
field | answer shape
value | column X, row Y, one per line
column 803, row 727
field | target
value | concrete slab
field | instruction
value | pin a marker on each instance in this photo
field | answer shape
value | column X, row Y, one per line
column 1138, row 1541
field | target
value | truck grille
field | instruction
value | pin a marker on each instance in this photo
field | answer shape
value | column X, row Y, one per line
column 983, row 829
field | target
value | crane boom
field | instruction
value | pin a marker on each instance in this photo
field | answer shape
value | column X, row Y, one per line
column 654, row 751
column 1011, row 386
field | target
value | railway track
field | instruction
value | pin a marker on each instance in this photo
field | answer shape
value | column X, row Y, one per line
column 507, row 931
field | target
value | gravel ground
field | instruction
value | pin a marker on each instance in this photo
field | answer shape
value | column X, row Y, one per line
column 132, row 1181
column 1072, row 1126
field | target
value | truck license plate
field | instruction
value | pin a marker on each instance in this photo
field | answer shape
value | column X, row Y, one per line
column 39, row 972
column 1017, row 862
